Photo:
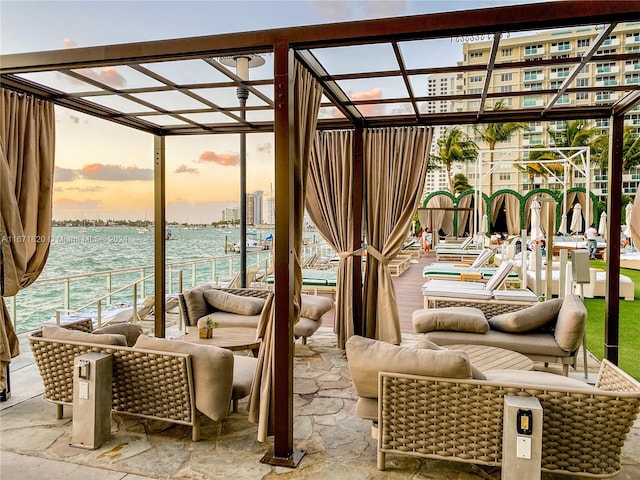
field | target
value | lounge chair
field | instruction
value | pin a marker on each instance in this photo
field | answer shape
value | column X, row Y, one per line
column 485, row 255
column 488, row 297
column 456, row 246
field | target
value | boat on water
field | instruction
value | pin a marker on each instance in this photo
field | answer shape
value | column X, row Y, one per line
column 253, row 244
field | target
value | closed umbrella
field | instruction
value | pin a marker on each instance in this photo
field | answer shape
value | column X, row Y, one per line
column 602, row 226
column 635, row 221
column 628, row 214
column 563, row 224
column 576, row 219
column 536, row 230
column 483, row 224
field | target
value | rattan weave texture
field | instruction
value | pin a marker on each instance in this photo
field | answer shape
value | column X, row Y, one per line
column 583, row 430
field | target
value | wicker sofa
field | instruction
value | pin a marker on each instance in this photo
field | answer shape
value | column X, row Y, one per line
column 157, row 378
column 197, row 306
column 446, row 414
column 549, row 332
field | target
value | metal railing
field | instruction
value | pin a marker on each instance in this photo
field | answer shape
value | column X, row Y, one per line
column 180, row 274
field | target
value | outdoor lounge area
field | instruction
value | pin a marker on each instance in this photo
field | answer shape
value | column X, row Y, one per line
column 332, row 158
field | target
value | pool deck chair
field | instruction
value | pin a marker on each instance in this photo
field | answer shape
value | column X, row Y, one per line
column 456, row 246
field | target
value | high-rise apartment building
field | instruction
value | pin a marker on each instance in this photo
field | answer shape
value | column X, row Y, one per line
column 438, row 85
column 231, row 215
column 254, row 208
column 542, row 81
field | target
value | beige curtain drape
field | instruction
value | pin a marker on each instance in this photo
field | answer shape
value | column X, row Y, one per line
column 27, row 147
column 395, row 165
column 438, row 219
column 635, row 221
column 307, row 95
column 329, row 204
column 511, row 206
column 544, row 212
column 465, row 219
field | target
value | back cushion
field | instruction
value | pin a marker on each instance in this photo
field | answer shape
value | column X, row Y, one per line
column 457, row 319
column 55, row 332
column 571, row 323
column 228, row 302
column 195, row 305
column 131, row 331
column 212, row 372
column 527, row 319
column 367, row 357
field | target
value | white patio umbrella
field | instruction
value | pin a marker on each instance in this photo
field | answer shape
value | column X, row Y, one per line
column 536, row 230
column 628, row 214
column 576, row 220
column 483, row 225
column 563, row 224
column 602, row 226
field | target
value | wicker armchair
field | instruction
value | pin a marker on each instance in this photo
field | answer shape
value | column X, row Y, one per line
column 584, row 429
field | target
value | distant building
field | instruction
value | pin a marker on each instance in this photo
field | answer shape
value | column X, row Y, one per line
column 438, row 84
column 557, row 44
column 254, row 208
column 231, row 215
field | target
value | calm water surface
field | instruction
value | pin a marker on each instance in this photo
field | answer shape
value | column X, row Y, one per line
column 80, row 251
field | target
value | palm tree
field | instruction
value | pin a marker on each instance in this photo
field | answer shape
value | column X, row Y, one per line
column 460, row 183
column 575, row 134
column 494, row 133
column 536, row 167
column 454, row 146
column 630, row 149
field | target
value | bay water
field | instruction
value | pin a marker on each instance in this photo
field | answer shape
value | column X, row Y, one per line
column 77, row 251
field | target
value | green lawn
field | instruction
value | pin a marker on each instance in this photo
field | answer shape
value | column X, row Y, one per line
column 629, row 341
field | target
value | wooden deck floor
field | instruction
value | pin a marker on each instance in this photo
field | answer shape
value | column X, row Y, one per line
column 408, row 293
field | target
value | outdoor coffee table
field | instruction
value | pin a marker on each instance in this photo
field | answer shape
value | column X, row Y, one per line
column 230, row 338
column 494, row 358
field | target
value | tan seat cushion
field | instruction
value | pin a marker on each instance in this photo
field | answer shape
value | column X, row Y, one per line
column 305, row 327
column 367, row 357
column 226, row 319
column 228, row 302
column 457, row 319
column 527, row 319
column 244, row 369
column 131, row 331
column 543, row 379
column 367, row 408
column 428, row 345
column 55, row 332
column 314, row 306
column 212, row 372
column 571, row 323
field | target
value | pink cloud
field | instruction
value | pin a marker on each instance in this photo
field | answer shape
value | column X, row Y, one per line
column 63, row 174
column 107, row 75
column 68, row 43
column 366, row 110
column 224, row 159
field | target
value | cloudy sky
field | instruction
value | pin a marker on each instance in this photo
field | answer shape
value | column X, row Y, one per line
column 106, row 171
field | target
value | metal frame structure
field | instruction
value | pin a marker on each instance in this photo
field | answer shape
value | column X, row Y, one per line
column 26, row 73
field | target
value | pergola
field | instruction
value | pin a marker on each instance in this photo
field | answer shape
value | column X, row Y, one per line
column 145, row 107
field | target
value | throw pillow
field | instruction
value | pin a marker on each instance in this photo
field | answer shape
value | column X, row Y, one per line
column 228, row 302
column 195, row 305
column 428, row 345
column 212, row 372
column 314, row 306
column 129, row 330
column 59, row 333
column 571, row 323
column 367, row 357
column 457, row 319
column 527, row 319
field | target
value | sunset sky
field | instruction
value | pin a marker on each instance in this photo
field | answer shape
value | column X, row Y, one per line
column 104, row 170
